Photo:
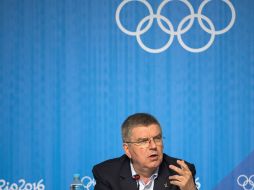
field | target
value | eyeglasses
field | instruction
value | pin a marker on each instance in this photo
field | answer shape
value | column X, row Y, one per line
column 145, row 142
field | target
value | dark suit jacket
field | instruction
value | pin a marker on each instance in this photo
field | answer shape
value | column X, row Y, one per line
column 115, row 174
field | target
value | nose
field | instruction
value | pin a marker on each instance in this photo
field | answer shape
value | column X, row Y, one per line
column 152, row 143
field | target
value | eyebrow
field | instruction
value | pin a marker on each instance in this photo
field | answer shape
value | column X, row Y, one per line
column 144, row 138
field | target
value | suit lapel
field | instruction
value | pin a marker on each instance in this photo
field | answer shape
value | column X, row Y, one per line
column 162, row 181
column 126, row 181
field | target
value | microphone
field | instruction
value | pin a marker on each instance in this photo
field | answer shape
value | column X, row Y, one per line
column 136, row 178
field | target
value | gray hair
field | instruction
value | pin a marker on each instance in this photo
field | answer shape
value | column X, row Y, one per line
column 135, row 120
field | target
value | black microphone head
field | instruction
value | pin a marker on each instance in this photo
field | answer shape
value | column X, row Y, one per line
column 136, row 177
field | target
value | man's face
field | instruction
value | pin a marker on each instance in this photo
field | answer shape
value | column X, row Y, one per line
column 145, row 156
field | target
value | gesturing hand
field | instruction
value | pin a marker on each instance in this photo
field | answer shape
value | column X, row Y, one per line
column 184, row 180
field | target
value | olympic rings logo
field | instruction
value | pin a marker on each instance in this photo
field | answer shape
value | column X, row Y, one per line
column 245, row 182
column 88, row 182
column 180, row 28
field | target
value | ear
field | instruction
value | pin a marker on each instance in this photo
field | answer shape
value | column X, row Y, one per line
column 126, row 150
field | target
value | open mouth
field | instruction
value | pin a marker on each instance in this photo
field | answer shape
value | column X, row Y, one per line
column 153, row 156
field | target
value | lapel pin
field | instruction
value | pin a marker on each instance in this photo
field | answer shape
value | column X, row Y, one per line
column 165, row 185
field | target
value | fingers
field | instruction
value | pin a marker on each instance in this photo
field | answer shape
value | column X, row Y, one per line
column 183, row 165
column 176, row 169
column 176, row 178
column 177, row 183
column 184, row 168
column 184, row 179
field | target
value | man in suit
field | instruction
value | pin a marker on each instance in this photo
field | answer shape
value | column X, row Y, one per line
column 144, row 166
